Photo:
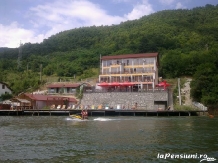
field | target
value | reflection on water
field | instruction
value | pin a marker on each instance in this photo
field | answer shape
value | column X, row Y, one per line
column 105, row 139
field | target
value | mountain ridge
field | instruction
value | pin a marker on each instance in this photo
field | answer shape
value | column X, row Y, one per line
column 185, row 39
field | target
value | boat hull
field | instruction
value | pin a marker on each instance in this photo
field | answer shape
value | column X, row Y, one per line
column 78, row 117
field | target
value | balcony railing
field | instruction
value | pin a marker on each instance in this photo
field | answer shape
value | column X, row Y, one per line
column 155, row 90
column 127, row 72
column 129, row 64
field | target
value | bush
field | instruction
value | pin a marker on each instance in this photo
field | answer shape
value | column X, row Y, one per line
column 6, row 96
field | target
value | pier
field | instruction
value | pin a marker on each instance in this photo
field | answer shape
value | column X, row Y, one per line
column 101, row 112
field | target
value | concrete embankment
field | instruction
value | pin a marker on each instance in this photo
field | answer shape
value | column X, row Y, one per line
column 100, row 113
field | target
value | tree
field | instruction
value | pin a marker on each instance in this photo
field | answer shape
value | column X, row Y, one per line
column 204, row 86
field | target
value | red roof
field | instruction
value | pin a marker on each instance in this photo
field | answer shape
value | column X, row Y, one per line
column 124, row 56
column 39, row 97
column 63, row 85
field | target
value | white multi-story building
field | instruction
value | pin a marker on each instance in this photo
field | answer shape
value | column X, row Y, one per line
column 138, row 71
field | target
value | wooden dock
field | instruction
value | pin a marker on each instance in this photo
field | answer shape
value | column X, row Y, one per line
column 100, row 113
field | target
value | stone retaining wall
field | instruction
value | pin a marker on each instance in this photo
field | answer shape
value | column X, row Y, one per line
column 144, row 100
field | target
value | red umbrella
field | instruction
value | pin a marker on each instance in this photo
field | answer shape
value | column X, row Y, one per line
column 163, row 84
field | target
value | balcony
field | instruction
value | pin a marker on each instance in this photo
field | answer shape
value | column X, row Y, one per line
column 128, row 73
column 125, row 65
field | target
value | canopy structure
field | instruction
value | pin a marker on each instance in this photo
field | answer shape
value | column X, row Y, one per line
column 21, row 102
column 163, row 84
column 104, row 84
column 126, row 84
column 114, row 84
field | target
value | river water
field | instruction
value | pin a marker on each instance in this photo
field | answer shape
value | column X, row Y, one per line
column 54, row 139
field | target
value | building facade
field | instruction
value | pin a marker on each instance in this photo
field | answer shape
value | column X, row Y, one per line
column 62, row 88
column 67, row 88
column 132, row 71
column 4, row 89
column 37, row 101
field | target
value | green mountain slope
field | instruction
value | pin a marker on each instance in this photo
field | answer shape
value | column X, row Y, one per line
column 185, row 39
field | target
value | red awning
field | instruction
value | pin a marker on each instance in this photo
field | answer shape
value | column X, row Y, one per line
column 126, row 84
column 103, row 84
column 114, row 84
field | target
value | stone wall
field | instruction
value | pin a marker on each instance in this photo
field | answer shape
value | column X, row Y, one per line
column 144, row 100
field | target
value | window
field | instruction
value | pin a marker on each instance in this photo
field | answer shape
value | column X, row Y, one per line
column 3, row 86
column 52, row 90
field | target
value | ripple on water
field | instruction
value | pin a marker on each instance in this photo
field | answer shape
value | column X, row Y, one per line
column 107, row 139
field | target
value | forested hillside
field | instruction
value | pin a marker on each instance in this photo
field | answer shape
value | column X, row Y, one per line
column 186, row 40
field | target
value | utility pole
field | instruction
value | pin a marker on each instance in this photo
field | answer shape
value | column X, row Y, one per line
column 100, row 69
column 19, row 56
column 40, row 72
column 27, row 67
column 180, row 102
column 206, row 46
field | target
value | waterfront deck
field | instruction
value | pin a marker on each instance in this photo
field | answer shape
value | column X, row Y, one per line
column 100, row 113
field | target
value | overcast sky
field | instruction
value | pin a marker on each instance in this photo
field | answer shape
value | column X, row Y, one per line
column 34, row 20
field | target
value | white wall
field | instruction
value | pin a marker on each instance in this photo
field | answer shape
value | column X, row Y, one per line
column 40, row 104
column 5, row 90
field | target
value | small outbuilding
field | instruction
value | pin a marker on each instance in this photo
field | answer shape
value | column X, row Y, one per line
column 4, row 89
column 38, row 101
column 62, row 88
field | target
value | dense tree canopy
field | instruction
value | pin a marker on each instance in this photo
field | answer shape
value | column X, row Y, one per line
column 186, row 40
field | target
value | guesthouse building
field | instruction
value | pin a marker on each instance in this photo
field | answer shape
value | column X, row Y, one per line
column 67, row 88
column 129, row 72
column 38, row 101
column 62, row 88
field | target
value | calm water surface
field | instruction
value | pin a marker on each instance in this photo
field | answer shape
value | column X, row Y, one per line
column 105, row 139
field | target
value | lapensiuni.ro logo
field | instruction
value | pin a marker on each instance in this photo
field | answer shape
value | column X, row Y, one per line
column 201, row 157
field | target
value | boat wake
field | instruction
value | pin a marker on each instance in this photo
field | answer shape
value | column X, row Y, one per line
column 75, row 119
column 103, row 119
column 96, row 119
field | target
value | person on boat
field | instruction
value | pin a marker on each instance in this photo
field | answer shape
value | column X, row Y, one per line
column 85, row 114
column 82, row 113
